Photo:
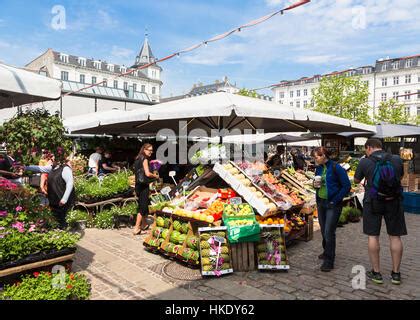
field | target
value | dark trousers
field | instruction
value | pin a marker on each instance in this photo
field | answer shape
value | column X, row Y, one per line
column 328, row 217
column 60, row 215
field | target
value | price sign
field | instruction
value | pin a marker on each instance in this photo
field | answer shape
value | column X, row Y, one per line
column 277, row 173
column 165, row 191
column 236, row 200
column 219, row 239
column 186, row 184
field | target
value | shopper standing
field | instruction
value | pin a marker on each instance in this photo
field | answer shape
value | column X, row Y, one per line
column 61, row 193
column 143, row 178
column 383, row 198
column 332, row 184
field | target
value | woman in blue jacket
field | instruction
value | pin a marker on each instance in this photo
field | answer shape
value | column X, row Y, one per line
column 334, row 186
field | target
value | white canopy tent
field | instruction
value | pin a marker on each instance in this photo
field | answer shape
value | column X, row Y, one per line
column 215, row 111
column 19, row 87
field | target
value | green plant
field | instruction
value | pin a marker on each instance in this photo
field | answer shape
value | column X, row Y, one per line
column 78, row 215
column 45, row 286
column 94, row 188
column 129, row 209
column 392, row 112
column 15, row 245
column 104, row 220
column 30, row 132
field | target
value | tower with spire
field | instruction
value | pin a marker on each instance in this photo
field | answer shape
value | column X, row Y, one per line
column 146, row 56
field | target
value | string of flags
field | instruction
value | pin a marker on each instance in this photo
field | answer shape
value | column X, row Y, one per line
column 198, row 45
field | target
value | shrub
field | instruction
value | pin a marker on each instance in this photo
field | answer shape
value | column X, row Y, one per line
column 45, row 286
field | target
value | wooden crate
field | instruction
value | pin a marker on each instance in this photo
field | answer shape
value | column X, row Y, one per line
column 243, row 256
column 309, row 227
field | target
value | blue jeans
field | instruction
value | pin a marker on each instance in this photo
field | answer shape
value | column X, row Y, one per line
column 328, row 216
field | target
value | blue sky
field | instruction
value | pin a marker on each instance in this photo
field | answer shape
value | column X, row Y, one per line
column 321, row 37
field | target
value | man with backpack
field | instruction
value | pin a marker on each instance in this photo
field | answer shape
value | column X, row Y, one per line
column 383, row 198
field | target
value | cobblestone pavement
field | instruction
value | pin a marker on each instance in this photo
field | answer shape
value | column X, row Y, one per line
column 119, row 268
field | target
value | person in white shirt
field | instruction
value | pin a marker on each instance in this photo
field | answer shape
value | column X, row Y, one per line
column 94, row 161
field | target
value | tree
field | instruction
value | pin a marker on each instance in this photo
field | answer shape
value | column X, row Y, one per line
column 345, row 97
column 248, row 93
column 28, row 134
column 391, row 112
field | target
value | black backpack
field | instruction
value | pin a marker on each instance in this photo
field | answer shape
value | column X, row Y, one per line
column 385, row 184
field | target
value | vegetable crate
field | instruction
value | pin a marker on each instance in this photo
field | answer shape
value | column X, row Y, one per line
column 215, row 252
column 271, row 250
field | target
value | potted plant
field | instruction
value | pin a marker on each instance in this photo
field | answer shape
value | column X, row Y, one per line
column 78, row 219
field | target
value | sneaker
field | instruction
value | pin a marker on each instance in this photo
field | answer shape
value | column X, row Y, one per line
column 395, row 277
column 327, row 267
column 321, row 256
column 376, row 277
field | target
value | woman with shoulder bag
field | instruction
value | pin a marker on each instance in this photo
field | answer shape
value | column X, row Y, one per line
column 143, row 179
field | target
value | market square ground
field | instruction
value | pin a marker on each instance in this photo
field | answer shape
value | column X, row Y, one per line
column 119, row 268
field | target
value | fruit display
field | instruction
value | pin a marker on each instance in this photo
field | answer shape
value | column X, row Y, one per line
column 270, row 220
column 240, row 222
column 271, row 250
column 238, row 210
column 215, row 253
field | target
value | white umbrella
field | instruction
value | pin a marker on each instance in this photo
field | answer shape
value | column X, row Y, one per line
column 223, row 111
column 19, row 87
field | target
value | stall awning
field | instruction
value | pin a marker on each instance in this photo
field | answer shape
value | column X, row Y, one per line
column 19, row 87
column 220, row 111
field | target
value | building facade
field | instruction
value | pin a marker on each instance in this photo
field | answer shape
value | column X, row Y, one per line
column 397, row 78
column 77, row 72
column 218, row 86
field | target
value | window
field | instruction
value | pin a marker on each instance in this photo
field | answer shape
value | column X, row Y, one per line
column 154, row 90
column 64, row 58
column 291, row 104
column 105, row 83
column 408, row 78
column 143, row 88
column 82, row 62
column 418, row 110
column 407, row 111
column 281, row 95
column 305, row 103
column 407, row 95
column 384, row 67
column 297, row 104
column 116, row 84
column 396, row 80
column 298, row 93
column 82, row 78
column 395, row 95
column 384, row 82
column 134, row 87
column 126, row 86
column 395, row 65
column 64, row 75
column 305, row 92
column 123, row 69
column 93, row 80
column 383, row 97
column 111, row 68
column 291, row 94
column 97, row 64
column 409, row 63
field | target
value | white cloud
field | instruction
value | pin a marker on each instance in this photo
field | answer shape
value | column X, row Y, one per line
column 106, row 20
column 122, row 52
column 320, row 59
column 4, row 44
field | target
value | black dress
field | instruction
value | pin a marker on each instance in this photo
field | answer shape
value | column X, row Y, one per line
column 142, row 189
